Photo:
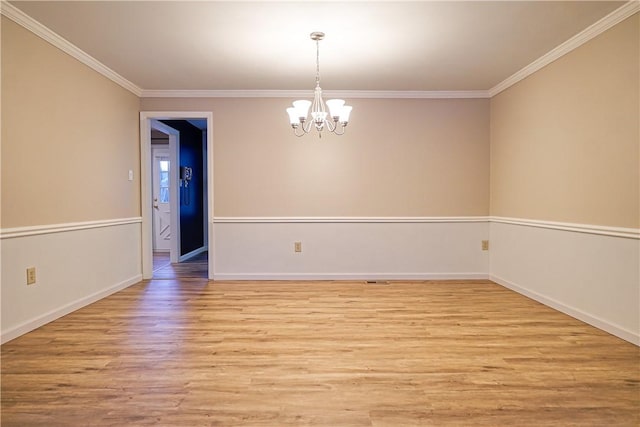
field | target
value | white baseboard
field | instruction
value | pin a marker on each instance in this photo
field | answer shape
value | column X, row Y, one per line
column 52, row 315
column 599, row 323
column 350, row 276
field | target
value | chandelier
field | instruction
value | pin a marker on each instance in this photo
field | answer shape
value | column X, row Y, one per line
column 334, row 121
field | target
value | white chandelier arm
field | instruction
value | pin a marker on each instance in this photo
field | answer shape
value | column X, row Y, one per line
column 342, row 126
column 307, row 125
column 331, row 125
column 295, row 132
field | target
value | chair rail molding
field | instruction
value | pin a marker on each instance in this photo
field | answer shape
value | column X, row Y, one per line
column 8, row 233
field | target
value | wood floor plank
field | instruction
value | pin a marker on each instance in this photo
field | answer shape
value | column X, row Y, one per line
column 199, row 353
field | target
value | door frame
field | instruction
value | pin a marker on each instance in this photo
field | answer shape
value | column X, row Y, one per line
column 146, row 181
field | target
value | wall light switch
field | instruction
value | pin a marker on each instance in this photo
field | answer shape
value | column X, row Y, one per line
column 130, row 175
column 485, row 245
column 31, row 275
column 297, row 246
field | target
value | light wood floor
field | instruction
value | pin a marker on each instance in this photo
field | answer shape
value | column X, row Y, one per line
column 198, row 353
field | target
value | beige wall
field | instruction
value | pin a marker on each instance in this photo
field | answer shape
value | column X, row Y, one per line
column 564, row 145
column 565, row 141
column 69, row 137
column 398, row 158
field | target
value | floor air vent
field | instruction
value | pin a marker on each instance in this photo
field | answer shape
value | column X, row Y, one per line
column 377, row 282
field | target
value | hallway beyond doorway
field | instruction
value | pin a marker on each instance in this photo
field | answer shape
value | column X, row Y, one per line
column 196, row 267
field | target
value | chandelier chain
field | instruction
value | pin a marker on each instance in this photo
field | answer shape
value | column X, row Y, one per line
column 317, row 62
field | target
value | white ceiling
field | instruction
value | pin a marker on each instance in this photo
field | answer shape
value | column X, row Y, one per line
column 391, row 46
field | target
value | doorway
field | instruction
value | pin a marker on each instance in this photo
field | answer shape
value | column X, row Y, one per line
column 190, row 204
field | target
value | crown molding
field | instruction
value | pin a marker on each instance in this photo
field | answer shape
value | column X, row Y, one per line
column 349, row 219
column 615, row 17
column 309, row 93
column 599, row 27
column 24, row 20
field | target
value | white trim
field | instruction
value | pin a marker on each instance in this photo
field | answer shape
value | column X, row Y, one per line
column 444, row 94
column 349, row 276
column 9, row 233
column 629, row 233
column 52, row 315
column 307, row 93
column 574, row 42
column 24, row 20
column 599, row 323
column 262, row 220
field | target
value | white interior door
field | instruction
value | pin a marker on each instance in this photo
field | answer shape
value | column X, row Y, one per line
column 161, row 206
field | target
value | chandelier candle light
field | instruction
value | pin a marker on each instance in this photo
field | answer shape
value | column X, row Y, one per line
column 338, row 112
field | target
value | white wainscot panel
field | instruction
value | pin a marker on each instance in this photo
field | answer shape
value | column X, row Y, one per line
column 73, row 268
column 334, row 250
column 594, row 278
